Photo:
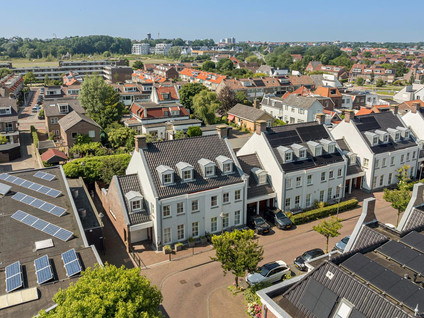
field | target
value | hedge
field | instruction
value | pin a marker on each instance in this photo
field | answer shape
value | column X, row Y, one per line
column 316, row 214
column 100, row 168
column 34, row 136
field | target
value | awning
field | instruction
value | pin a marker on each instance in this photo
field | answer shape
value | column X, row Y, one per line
column 230, row 117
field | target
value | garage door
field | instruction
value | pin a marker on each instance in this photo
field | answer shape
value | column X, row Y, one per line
column 139, row 235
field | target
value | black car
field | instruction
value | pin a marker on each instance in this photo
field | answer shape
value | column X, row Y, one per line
column 259, row 225
column 279, row 219
column 299, row 262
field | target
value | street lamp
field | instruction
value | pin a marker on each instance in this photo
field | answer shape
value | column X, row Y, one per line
column 338, row 201
column 222, row 216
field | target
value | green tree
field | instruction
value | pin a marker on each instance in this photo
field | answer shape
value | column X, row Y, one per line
column 367, row 54
column 179, row 134
column 379, row 83
column 194, row 131
column 100, row 101
column 29, row 78
column 205, row 105
column 241, row 98
column 174, row 53
column 138, row 65
column 188, row 91
column 108, row 292
column 208, row 66
column 224, row 65
column 237, row 252
column 3, row 140
column 360, row 81
column 328, row 228
column 120, row 136
column 227, row 98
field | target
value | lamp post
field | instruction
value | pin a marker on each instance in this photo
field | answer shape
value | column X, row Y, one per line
column 338, row 199
column 222, row 216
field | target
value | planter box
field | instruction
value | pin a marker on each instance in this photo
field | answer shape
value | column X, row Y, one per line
column 167, row 251
column 191, row 244
column 178, row 247
column 203, row 240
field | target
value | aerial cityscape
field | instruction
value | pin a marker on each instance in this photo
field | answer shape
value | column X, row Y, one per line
column 211, row 160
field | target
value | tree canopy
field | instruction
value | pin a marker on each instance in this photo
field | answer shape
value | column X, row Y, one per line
column 3, row 140
column 328, row 228
column 205, row 105
column 100, row 101
column 194, row 131
column 188, row 91
column 120, row 136
column 138, row 65
column 108, row 292
column 208, row 66
column 237, row 252
column 227, row 98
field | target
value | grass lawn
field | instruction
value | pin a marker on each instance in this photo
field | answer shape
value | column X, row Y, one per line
column 21, row 62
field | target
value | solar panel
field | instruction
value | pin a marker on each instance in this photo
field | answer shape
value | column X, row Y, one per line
column 13, row 276
column 3, row 176
column 71, row 262
column 44, row 175
column 33, row 185
column 318, row 299
column 415, row 240
column 41, row 262
column 404, row 255
column 39, row 204
column 43, row 269
column 42, row 225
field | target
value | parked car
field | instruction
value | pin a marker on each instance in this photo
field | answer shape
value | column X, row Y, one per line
column 300, row 261
column 341, row 245
column 259, row 225
column 42, row 90
column 278, row 218
column 269, row 273
column 36, row 108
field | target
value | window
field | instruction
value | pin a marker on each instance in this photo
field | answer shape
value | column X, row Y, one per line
column 309, row 179
column 63, row 108
column 318, row 151
column 407, row 156
column 214, row 201
column 339, row 172
column 374, row 182
column 288, row 156
column 392, row 161
column 287, row 205
column 383, row 164
column 302, row 154
column 167, row 235
column 210, row 171
column 298, row 181
column 228, row 167
column 338, row 192
column 187, row 175
column 135, row 205
column 414, row 154
column 366, row 162
column 397, row 136
column 377, row 162
column 323, row 177
column 237, row 219
column 330, row 148
column 402, row 158
column 53, row 120
column 167, row 178
column 321, row 195
column 412, row 173
column 237, row 195
column 195, row 229
column 180, row 207
column 301, row 111
column 194, row 205
column 226, row 198
column 91, row 134
column 331, row 174
column 288, row 183
column 308, row 200
column 180, row 232
column 344, row 310
column 166, row 211
column 225, row 221
column 330, row 193
column 297, row 200
column 214, row 224
column 389, row 181
column 74, row 135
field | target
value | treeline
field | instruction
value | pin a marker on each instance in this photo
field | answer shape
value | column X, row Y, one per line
column 37, row 48
column 387, row 45
column 179, row 42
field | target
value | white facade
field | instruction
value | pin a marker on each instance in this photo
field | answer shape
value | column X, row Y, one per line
column 140, row 48
column 347, row 102
column 410, row 92
column 162, row 48
column 331, row 80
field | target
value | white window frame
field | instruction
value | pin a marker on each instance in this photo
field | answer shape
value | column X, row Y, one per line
column 195, row 229
column 214, row 224
column 237, row 217
column 179, row 236
column 135, row 205
column 309, row 179
column 167, row 235
column 195, row 205
column 226, row 197
column 237, row 195
column 180, row 208
column 214, row 201
column 91, row 134
column 166, row 211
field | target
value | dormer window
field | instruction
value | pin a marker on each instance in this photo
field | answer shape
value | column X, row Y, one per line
column 207, row 167
column 302, row 154
column 299, row 151
column 404, row 132
column 288, row 156
column 375, row 140
column 228, row 167
column 135, row 199
column 285, row 153
column 315, row 148
column 63, row 108
column 225, row 163
column 136, row 205
column 318, row 151
column 328, row 145
column 383, row 136
column 167, row 178
column 260, row 175
column 331, row 148
column 166, row 174
column 186, row 171
column 372, row 138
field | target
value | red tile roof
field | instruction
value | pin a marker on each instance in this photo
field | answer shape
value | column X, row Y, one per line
column 167, row 90
column 49, row 154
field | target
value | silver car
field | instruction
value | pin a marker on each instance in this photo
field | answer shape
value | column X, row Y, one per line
column 270, row 273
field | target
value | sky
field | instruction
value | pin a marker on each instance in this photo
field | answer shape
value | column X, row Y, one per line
column 260, row 20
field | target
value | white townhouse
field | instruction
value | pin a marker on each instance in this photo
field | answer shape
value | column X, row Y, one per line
column 302, row 162
column 292, row 109
column 190, row 186
column 381, row 143
column 410, row 92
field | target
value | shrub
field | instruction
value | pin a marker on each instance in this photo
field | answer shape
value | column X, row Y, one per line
column 34, row 136
column 321, row 212
column 179, row 244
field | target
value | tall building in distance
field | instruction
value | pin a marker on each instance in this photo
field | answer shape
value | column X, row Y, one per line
column 141, row 48
column 228, row 41
column 149, row 36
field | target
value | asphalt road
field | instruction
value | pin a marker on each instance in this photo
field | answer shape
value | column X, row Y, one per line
column 187, row 284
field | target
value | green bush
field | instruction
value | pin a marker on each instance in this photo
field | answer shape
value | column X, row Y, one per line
column 316, row 214
column 34, row 136
column 99, row 168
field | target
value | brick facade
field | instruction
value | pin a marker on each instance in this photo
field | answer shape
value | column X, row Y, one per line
column 81, row 128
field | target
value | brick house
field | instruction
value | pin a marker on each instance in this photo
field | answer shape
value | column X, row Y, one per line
column 331, row 92
column 54, row 110
column 9, row 129
column 253, row 87
column 11, row 85
column 168, row 72
column 247, row 116
column 75, row 124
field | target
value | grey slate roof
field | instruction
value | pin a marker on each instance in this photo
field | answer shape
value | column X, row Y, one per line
column 415, row 220
column 247, row 163
column 367, row 238
column 367, row 301
column 247, row 112
column 54, row 110
column 189, row 150
column 74, row 118
column 300, row 101
column 129, row 183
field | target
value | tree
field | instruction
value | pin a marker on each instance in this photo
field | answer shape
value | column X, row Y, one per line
column 227, row 98
column 138, row 65
column 237, row 252
column 188, row 91
column 379, row 83
column 108, row 292
column 121, row 137
column 29, row 78
column 208, row 66
column 225, row 65
column 194, row 131
column 241, row 98
column 205, row 105
column 174, row 53
column 179, row 134
column 100, row 101
column 367, row 54
column 3, row 140
column 360, row 81
column 328, row 228
column 400, row 197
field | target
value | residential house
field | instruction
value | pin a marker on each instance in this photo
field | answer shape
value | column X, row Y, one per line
column 140, row 76
column 408, row 106
column 382, row 143
column 338, row 71
column 326, row 80
column 180, row 193
column 74, row 124
column 247, row 116
column 140, row 49
column 330, row 92
column 410, row 92
column 9, row 130
column 11, row 85
column 72, row 78
column 117, row 74
column 133, row 92
column 52, row 92
column 302, row 161
column 370, row 72
column 292, row 109
column 56, row 109
column 297, row 81
column 208, row 79
column 357, row 99
column 166, row 71
column 272, row 71
column 253, row 87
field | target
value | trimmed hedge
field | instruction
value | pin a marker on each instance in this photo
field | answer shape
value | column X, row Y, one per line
column 34, row 137
column 316, row 214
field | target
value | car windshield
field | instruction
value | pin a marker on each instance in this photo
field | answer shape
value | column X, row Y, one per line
column 346, row 239
column 280, row 215
column 307, row 256
column 264, row 271
column 259, row 221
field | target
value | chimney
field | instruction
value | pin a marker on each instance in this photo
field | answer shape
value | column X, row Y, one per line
column 222, row 131
column 140, row 142
column 320, row 118
column 255, row 103
column 394, row 109
column 415, row 107
column 349, row 114
column 260, row 126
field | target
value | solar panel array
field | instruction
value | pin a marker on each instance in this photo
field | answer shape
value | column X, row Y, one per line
column 43, row 269
column 415, row 240
column 42, row 225
column 71, row 262
column 401, row 289
column 318, row 299
column 404, row 255
column 14, row 277
column 30, row 185
column 44, row 175
column 39, row 204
